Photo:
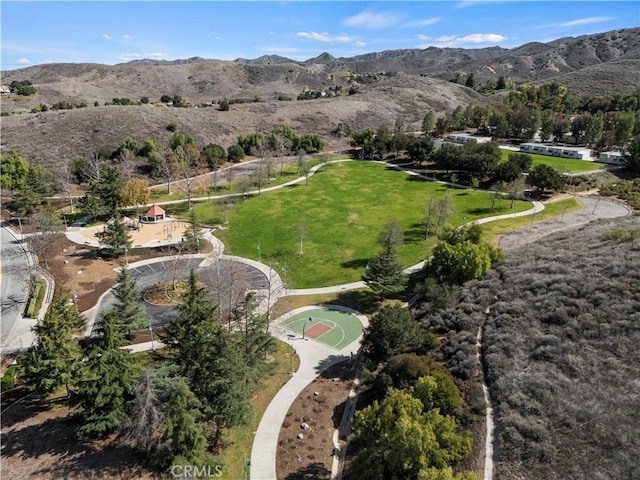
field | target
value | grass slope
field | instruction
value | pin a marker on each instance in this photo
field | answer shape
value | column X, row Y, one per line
column 344, row 210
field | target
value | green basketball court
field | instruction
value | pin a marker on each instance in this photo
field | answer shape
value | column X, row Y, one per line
column 331, row 327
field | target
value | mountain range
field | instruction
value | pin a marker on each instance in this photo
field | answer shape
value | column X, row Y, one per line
column 389, row 84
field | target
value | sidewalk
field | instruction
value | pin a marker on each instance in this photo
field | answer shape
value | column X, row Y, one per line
column 315, row 358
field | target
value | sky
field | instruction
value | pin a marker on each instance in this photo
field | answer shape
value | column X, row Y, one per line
column 114, row 32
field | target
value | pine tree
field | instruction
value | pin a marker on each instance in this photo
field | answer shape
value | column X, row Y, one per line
column 55, row 360
column 116, row 238
column 164, row 421
column 129, row 312
column 384, row 273
column 208, row 357
column 107, row 383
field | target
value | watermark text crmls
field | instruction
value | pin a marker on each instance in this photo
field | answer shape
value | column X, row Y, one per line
column 194, row 471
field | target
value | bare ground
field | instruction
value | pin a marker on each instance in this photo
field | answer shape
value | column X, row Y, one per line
column 311, row 456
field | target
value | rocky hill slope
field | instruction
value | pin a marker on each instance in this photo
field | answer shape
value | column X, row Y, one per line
column 405, row 83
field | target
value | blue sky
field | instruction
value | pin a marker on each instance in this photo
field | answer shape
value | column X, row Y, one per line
column 117, row 32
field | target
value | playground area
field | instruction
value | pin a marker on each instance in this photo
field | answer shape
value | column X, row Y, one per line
column 145, row 234
column 329, row 326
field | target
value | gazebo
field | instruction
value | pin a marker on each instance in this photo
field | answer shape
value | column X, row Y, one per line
column 154, row 214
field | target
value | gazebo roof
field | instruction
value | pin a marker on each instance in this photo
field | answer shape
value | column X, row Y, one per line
column 154, row 211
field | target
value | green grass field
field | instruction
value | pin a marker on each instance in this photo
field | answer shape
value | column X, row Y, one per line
column 345, row 328
column 343, row 210
column 561, row 164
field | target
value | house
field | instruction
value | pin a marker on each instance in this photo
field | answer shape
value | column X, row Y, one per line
column 465, row 137
column 579, row 153
column 612, row 158
column 5, row 90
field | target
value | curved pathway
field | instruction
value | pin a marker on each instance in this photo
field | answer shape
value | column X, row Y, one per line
column 315, row 358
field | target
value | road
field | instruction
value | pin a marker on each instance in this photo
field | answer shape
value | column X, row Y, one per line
column 14, row 271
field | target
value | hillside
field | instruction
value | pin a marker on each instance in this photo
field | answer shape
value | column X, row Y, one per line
column 389, row 84
column 53, row 136
column 561, row 325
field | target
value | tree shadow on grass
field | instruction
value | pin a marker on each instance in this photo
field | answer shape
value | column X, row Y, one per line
column 363, row 300
column 356, row 264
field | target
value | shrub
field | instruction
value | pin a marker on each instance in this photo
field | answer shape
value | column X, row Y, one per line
column 622, row 235
column 9, row 378
column 172, row 127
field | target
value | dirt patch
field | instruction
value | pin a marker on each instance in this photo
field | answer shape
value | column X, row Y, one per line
column 311, row 456
column 81, row 270
column 40, row 442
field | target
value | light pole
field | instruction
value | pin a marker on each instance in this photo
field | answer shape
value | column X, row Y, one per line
column 64, row 215
column 259, row 256
column 292, row 355
column 304, row 326
column 75, row 301
column 153, row 349
column 126, row 258
column 198, row 244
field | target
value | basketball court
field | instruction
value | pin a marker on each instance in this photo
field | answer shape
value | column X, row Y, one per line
column 332, row 327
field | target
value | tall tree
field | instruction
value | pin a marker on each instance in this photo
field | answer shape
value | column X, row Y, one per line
column 116, row 238
column 631, row 156
column 107, row 382
column 128, row 312
column 14, row 170
column 384, row 273
column 45, row 234
column 165, row 420
column 401, row 441
column 207, row 355
column 56, row 358
column 392, row 330
column 136, row 192
column 428, row 123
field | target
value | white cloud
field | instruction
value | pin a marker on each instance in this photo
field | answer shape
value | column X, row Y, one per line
column 474, row 38
column 126, row 37
column 359, row 44
column 325, row 37
column 23, row 61
column 106, row 36
column 125, row 57
column 584, row 21
column 471, row 3
column 155, row 55
column 424, row 37
column 425, row 23
column 373, row 20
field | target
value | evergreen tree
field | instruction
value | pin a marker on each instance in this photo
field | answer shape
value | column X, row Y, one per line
column 384, row 273
column 107, row 383
column 55, row 360
column 255, row 342
column 392, row 330
column 116, row 238
column 209, row 358
column 164, row 421
column 128, row 312
column 631, row 156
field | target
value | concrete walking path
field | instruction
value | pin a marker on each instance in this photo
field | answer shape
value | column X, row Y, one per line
column 315, row 358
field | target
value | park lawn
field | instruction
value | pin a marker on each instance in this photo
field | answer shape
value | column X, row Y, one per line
column 278, row 176
column 493, row 230
column 240, row 438
column 562, row 165
column 342, row 210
